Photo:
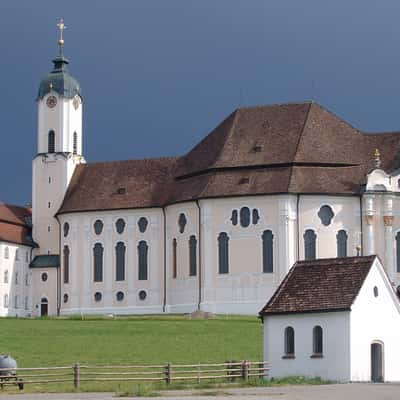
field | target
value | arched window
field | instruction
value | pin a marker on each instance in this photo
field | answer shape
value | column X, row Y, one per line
column 223, row 253
column 5, row 301
column 289, row 341
column 317, row 340
column 341, row 240
column 309, row 244
column 51, row 142
column 6, row 276
column 255, row 216
column 174, row 258
column 192, row 255
column 16, row 255
column 6, row 252
column 98, row 262
column 143, row 256
column 245, row 217
column 16, row 301
column 66, row 264
column 268, row 251
column 98, row 227
column 398, row 252
column 120, row 261
column 234, row 217
column 75, row 143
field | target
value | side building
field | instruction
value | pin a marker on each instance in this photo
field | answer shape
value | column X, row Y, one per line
column 15, row 255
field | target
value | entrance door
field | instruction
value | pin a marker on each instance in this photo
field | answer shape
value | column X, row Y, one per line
column 44, row 307
column 376, row 362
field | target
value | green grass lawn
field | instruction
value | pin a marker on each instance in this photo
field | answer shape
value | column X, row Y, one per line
column 133, row 340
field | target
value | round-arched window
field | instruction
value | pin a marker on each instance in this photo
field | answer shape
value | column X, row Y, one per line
column 98, row 227
column 120, row 296
column 142, row 295
column 97, row 296
column 120, row 225
column 376, row 292
column 66, row 229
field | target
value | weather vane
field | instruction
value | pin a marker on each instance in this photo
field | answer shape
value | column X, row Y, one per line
column 61, row 27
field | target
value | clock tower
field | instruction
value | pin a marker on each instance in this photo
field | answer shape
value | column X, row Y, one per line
column 59, row 150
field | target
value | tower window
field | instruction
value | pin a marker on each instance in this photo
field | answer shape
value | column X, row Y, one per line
column 75, row 143
column 51, row 142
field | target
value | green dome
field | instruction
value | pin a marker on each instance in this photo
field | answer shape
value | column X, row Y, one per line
column 60, row 81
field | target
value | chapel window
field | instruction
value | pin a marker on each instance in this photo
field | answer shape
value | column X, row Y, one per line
column 223, row 253
column 289, row 342
column 268, row 251
column 317, row 341
column 143, row 260
column 66, row 229
column 5, row 301
column 98, row 262
column 51, row 142
column 174, row 258
column 17, row 255
column 326, row 214
column 66, row 264
column 192, row 255
column 341, row 240
column 310, row 239
column 182, row 222
column 6, row 276
column 255, row 216
column 234, row 217
column 120, row 261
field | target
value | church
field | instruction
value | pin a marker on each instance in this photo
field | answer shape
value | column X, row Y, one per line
column 216, row 229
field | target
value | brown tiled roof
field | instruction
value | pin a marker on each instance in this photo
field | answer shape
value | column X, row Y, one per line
column 14, row 227
column 322, row 285
column 288, row 148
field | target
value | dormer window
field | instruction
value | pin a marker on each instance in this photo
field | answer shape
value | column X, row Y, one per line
column 121, row 190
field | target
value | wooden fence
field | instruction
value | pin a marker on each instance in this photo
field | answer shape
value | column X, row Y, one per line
column 168, row 373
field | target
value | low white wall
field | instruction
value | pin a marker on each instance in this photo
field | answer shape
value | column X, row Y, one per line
column 335, row 363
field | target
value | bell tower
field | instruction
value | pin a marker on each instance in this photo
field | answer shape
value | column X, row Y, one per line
column 59, row 148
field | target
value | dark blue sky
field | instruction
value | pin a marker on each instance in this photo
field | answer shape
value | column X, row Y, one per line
column 157, row 76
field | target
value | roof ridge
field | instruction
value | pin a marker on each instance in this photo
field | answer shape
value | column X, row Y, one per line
column 169, row 158
column 289, row 103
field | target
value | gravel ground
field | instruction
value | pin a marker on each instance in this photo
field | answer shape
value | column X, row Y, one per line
column 324, row 392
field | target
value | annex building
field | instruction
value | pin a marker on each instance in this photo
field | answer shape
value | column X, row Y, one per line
column 216, row 229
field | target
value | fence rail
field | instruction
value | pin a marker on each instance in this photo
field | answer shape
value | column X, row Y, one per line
column 168, row 373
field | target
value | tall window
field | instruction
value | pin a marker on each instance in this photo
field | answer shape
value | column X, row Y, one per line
column 341, row 240
column 98, row 262
column 143, row 256
column 75, row 143
column 317, row 340
column 174, row 258
column 398, row 252
column 192, row 255
column 268, row 251
column 289, row 341
column 51, row 142
column 120, row 261
column 5, row 301
column 309, row 244
column 223, row 253
column 17, row 255
column 66, row 264
column 6, row 252
column 6, row 276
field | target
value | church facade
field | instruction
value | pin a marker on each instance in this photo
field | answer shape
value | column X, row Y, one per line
column 216, row 229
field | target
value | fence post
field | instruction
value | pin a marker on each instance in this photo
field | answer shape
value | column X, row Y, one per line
column 76, row 375
column 198, row 374
column 168, row 373
column 245, row 370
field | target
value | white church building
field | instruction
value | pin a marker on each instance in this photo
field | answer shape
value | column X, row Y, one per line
column 216, row 229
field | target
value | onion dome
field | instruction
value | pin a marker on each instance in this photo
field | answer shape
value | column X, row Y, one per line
column 59, row 79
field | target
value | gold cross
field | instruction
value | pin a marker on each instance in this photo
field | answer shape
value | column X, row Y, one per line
column 61, row 27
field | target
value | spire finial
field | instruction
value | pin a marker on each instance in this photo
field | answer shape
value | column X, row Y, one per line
column 61, row 27
column 377, row 158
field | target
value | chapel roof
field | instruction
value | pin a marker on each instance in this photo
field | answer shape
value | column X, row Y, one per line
column 15, row 224
column 285, row 148
column 322, row 285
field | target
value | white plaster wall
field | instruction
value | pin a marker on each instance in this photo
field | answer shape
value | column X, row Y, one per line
column 335, row 363
column 81, row 240
column 16, row 285
column 375, row 319
column 346, row 216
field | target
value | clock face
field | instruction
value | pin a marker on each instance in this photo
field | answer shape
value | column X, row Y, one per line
column 51, row 101
column 76, row 102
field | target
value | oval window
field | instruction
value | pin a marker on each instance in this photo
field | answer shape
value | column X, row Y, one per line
column 244, row 217
column 65, row 298
column 182, row 222
column 44, row 277
column 120, row 225
column 142, row 295
column 98, row 227
column 97, row 296
column 66, row 229
column 120, row 296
